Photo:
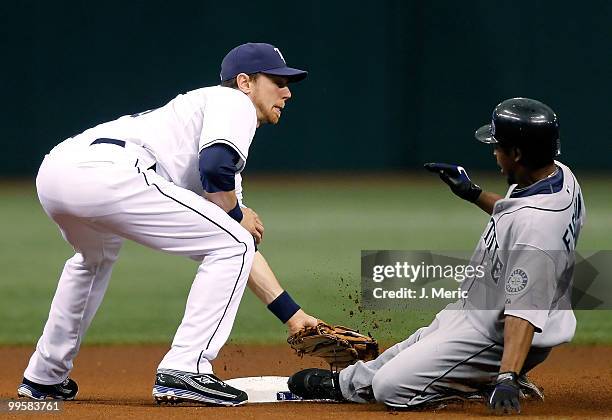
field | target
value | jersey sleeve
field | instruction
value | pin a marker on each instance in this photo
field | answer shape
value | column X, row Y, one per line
column 229, row 118
column 530, row 285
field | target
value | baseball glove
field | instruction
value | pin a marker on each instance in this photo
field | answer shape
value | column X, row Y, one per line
column 339, row 346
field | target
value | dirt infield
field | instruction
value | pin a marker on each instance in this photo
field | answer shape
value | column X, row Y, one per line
column 115, row 382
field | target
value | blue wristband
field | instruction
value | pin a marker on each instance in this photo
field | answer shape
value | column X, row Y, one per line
column 236, row 213
column 284, row 307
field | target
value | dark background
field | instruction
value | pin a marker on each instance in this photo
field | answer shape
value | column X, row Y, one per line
column 392, row 84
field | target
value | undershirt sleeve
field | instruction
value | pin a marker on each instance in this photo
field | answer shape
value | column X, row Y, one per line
column 218, row 168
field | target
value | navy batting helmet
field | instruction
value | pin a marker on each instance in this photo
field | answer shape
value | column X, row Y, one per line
column 527, row 124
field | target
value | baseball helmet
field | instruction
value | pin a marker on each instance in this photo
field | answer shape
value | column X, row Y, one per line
column 527, row 124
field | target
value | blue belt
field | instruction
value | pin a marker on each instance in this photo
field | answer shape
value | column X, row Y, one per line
column 116, row 142
column 120, row 143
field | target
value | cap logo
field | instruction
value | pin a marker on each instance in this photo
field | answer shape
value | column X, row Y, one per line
column 280, row 54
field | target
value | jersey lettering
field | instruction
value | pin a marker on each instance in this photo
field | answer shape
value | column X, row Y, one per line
column 569, row 237
column 491, row 248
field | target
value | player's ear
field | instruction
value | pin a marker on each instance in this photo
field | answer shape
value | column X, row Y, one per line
column 243, row 82
column 517, row 154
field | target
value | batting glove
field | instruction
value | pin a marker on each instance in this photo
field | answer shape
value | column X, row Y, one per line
column 457, row 179
column 505, row 397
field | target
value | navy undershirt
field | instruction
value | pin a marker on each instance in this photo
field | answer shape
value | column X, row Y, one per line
column 549, row 185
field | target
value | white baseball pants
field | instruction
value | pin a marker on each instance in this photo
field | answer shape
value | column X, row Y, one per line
column 98, row 196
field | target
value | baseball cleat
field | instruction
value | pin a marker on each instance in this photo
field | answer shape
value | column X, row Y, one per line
column 175, row 387
column 316, row 384
column 66, row 390
column 528, row 389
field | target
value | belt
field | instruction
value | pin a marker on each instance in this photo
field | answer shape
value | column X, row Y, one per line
column 116, row 142
column 120, row 143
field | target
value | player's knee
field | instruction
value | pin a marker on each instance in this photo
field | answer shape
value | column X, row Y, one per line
column 383, row 389
column 389, row 390
column 91, row 261
column 251, row 248
column 246, row 240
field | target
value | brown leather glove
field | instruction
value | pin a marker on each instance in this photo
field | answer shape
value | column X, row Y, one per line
column 339, row 346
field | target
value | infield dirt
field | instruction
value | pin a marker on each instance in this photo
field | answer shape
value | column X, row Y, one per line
column 116, row 381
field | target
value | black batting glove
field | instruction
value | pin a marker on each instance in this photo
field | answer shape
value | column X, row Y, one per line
column 505, row 396
column 457, row 179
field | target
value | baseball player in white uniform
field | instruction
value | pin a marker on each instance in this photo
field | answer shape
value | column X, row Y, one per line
column 170, row 179
column 483, row 345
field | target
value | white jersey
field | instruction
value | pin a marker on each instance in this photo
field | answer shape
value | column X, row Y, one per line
column 527, row 249
column 171, row 137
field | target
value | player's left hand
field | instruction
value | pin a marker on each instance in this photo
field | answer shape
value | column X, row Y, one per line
column 258, row 224
column 457, row 179
column 337, row 345
column 253, row 224
column 505, row 397
column 300, row 320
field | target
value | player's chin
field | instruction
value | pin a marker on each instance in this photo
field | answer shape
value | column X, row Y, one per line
column 273, row 118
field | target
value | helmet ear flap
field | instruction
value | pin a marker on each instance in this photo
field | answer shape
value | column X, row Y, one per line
column 557, row 151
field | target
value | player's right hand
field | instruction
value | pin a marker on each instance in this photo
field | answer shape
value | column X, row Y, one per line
column 505, row 397
column 457, row 179
column 251, row 222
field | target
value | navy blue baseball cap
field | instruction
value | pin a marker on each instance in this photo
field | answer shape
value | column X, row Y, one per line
column 258, row 58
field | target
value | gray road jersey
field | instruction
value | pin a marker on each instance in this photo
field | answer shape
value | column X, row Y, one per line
column 527, row 251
